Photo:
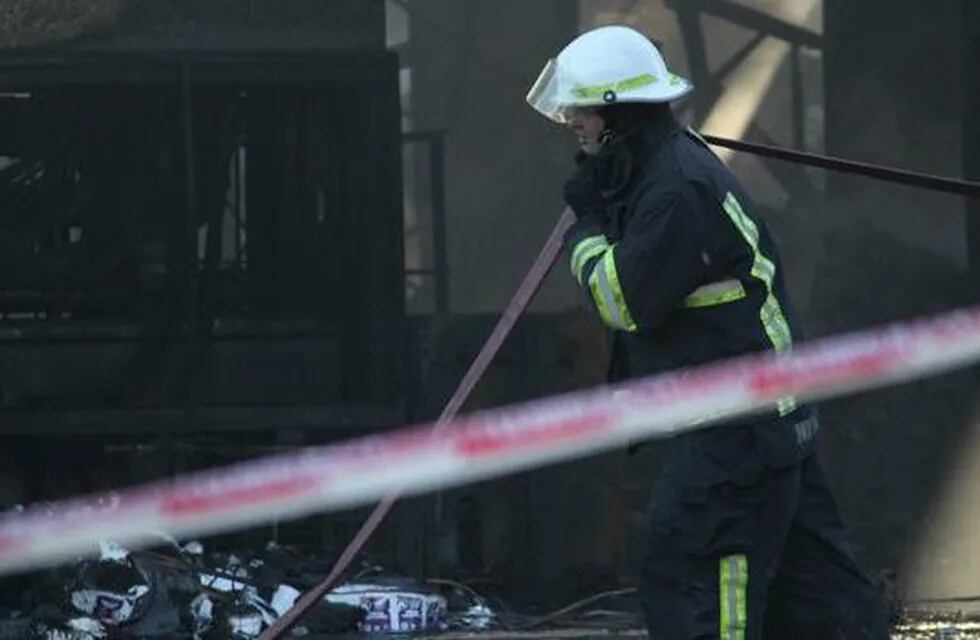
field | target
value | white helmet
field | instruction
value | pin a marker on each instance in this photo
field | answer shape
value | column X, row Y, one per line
column 604, row 66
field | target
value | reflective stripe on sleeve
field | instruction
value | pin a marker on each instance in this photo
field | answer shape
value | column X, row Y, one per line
column 714, row 294
column 608, row 294
column 585, row 250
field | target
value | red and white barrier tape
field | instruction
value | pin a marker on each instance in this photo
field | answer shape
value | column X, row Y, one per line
column 486, row 444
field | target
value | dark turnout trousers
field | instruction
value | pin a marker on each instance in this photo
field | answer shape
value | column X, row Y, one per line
column 742, row 550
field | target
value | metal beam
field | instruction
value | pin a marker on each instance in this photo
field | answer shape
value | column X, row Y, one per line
column 752, row 19
column 191, row 272
column 689, row 19
column 436, row 141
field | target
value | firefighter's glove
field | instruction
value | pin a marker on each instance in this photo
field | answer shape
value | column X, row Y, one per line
column 582, row 192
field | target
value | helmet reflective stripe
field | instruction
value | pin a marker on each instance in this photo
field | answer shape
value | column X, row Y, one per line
column 623, row 85
column 604, row 66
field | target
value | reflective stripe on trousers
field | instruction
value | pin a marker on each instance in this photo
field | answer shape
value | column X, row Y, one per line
column 733, row 581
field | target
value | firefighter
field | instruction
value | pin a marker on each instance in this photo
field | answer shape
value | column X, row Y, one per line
column 745, row 539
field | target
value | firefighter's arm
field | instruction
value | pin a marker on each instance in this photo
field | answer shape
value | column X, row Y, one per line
column 636, row 282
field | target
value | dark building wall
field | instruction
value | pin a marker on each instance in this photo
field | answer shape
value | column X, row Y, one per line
column 896, row 86
column 471, row 64
column 193, row 24
column 971, row 126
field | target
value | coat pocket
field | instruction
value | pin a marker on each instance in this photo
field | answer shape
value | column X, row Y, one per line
column 704, row 512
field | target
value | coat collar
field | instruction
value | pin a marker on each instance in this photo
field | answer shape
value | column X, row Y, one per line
column 628, row 150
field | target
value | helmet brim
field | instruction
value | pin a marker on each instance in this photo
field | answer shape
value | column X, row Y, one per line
column 547, row 98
